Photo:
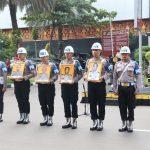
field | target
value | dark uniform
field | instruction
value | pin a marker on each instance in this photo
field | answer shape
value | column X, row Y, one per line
column 46, row 93
column 126, row 87
column 69, row 94
column 22, row 90
column 3, row 86
column 97, row 95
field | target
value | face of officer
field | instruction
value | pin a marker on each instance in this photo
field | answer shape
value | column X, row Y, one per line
column 96, row 53
column 45, row 59
column 125, row 57
column 69, row 56
column 22, row 56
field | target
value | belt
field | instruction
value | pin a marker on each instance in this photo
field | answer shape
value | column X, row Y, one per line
column 126, row 84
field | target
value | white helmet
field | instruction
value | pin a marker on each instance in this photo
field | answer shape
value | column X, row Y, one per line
column 125, row 50
column 43, row 53
column 21, row 50
column 68, row 49
column 96, row 46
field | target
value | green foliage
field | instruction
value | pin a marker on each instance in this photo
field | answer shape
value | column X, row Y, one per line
column 66, row 12
column 34, row 33
column 7, row 47
column 47, row 47
column 147, row 55
column 145, row 49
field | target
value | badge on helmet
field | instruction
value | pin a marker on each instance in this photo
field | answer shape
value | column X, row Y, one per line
column 96, row 46
column 21, row 50
column 68, row 49
column 125, row 50
column 43, row 53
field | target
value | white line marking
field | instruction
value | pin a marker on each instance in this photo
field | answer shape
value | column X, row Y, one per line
column 141, row 130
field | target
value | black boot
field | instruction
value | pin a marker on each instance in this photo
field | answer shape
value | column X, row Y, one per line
column 124, row 126
column 94, row 127
column 49, row 121
column 26, row 119
column 99, row 125
column 68, row 124
column 129, row 126
column 44, row 123
column 20, row 121
column 1, row 118
column 74, row 123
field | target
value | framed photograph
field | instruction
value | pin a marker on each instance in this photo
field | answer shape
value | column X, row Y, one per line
column 43, row 73
column 94, row 71
column 18, row 70
column 66, row 73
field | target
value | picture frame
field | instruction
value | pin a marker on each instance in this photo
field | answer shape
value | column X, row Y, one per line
column 94, row 71
column 17, row 70
column 43, row 73
column 66, row 73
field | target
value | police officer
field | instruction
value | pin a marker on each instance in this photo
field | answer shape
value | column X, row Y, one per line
column 3, row 86
column 125, row 73
column 46, row 91
column 69, row 91
column 97, row 89
column 22, row 87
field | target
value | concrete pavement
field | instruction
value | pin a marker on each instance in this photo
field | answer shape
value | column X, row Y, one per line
column 34, row 137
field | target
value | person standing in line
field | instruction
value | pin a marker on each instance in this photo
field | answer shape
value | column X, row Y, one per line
column 22, row 86
column 126, row 83
column 46, row 90
column 97, row 87
column 69, row 91
column 3, row 86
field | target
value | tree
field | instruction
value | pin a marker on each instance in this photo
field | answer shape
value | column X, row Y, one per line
column 13, row 9
column 145, row 49
column 59, row 13
column 7, row 47
column 12, row 4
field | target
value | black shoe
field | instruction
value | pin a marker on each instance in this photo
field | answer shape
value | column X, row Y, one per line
column 49, row 121
column 44, row 123
column 26, row 119
column 124, row 127
column 68, row 124
column 99, row 125
column 74, row 123
column 20, row 121
column 94, row 127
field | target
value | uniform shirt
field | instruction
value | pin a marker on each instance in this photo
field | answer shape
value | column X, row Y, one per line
column 54, row 71
column 106, row 69
column 78, row 69
column 3, row 74
column 131, row 75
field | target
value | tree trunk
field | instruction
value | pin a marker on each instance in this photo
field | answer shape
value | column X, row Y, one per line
column 13, row 10
column 51, row 38
column 60, row 44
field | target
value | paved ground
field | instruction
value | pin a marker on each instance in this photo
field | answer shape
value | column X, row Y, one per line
column 34, row 137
